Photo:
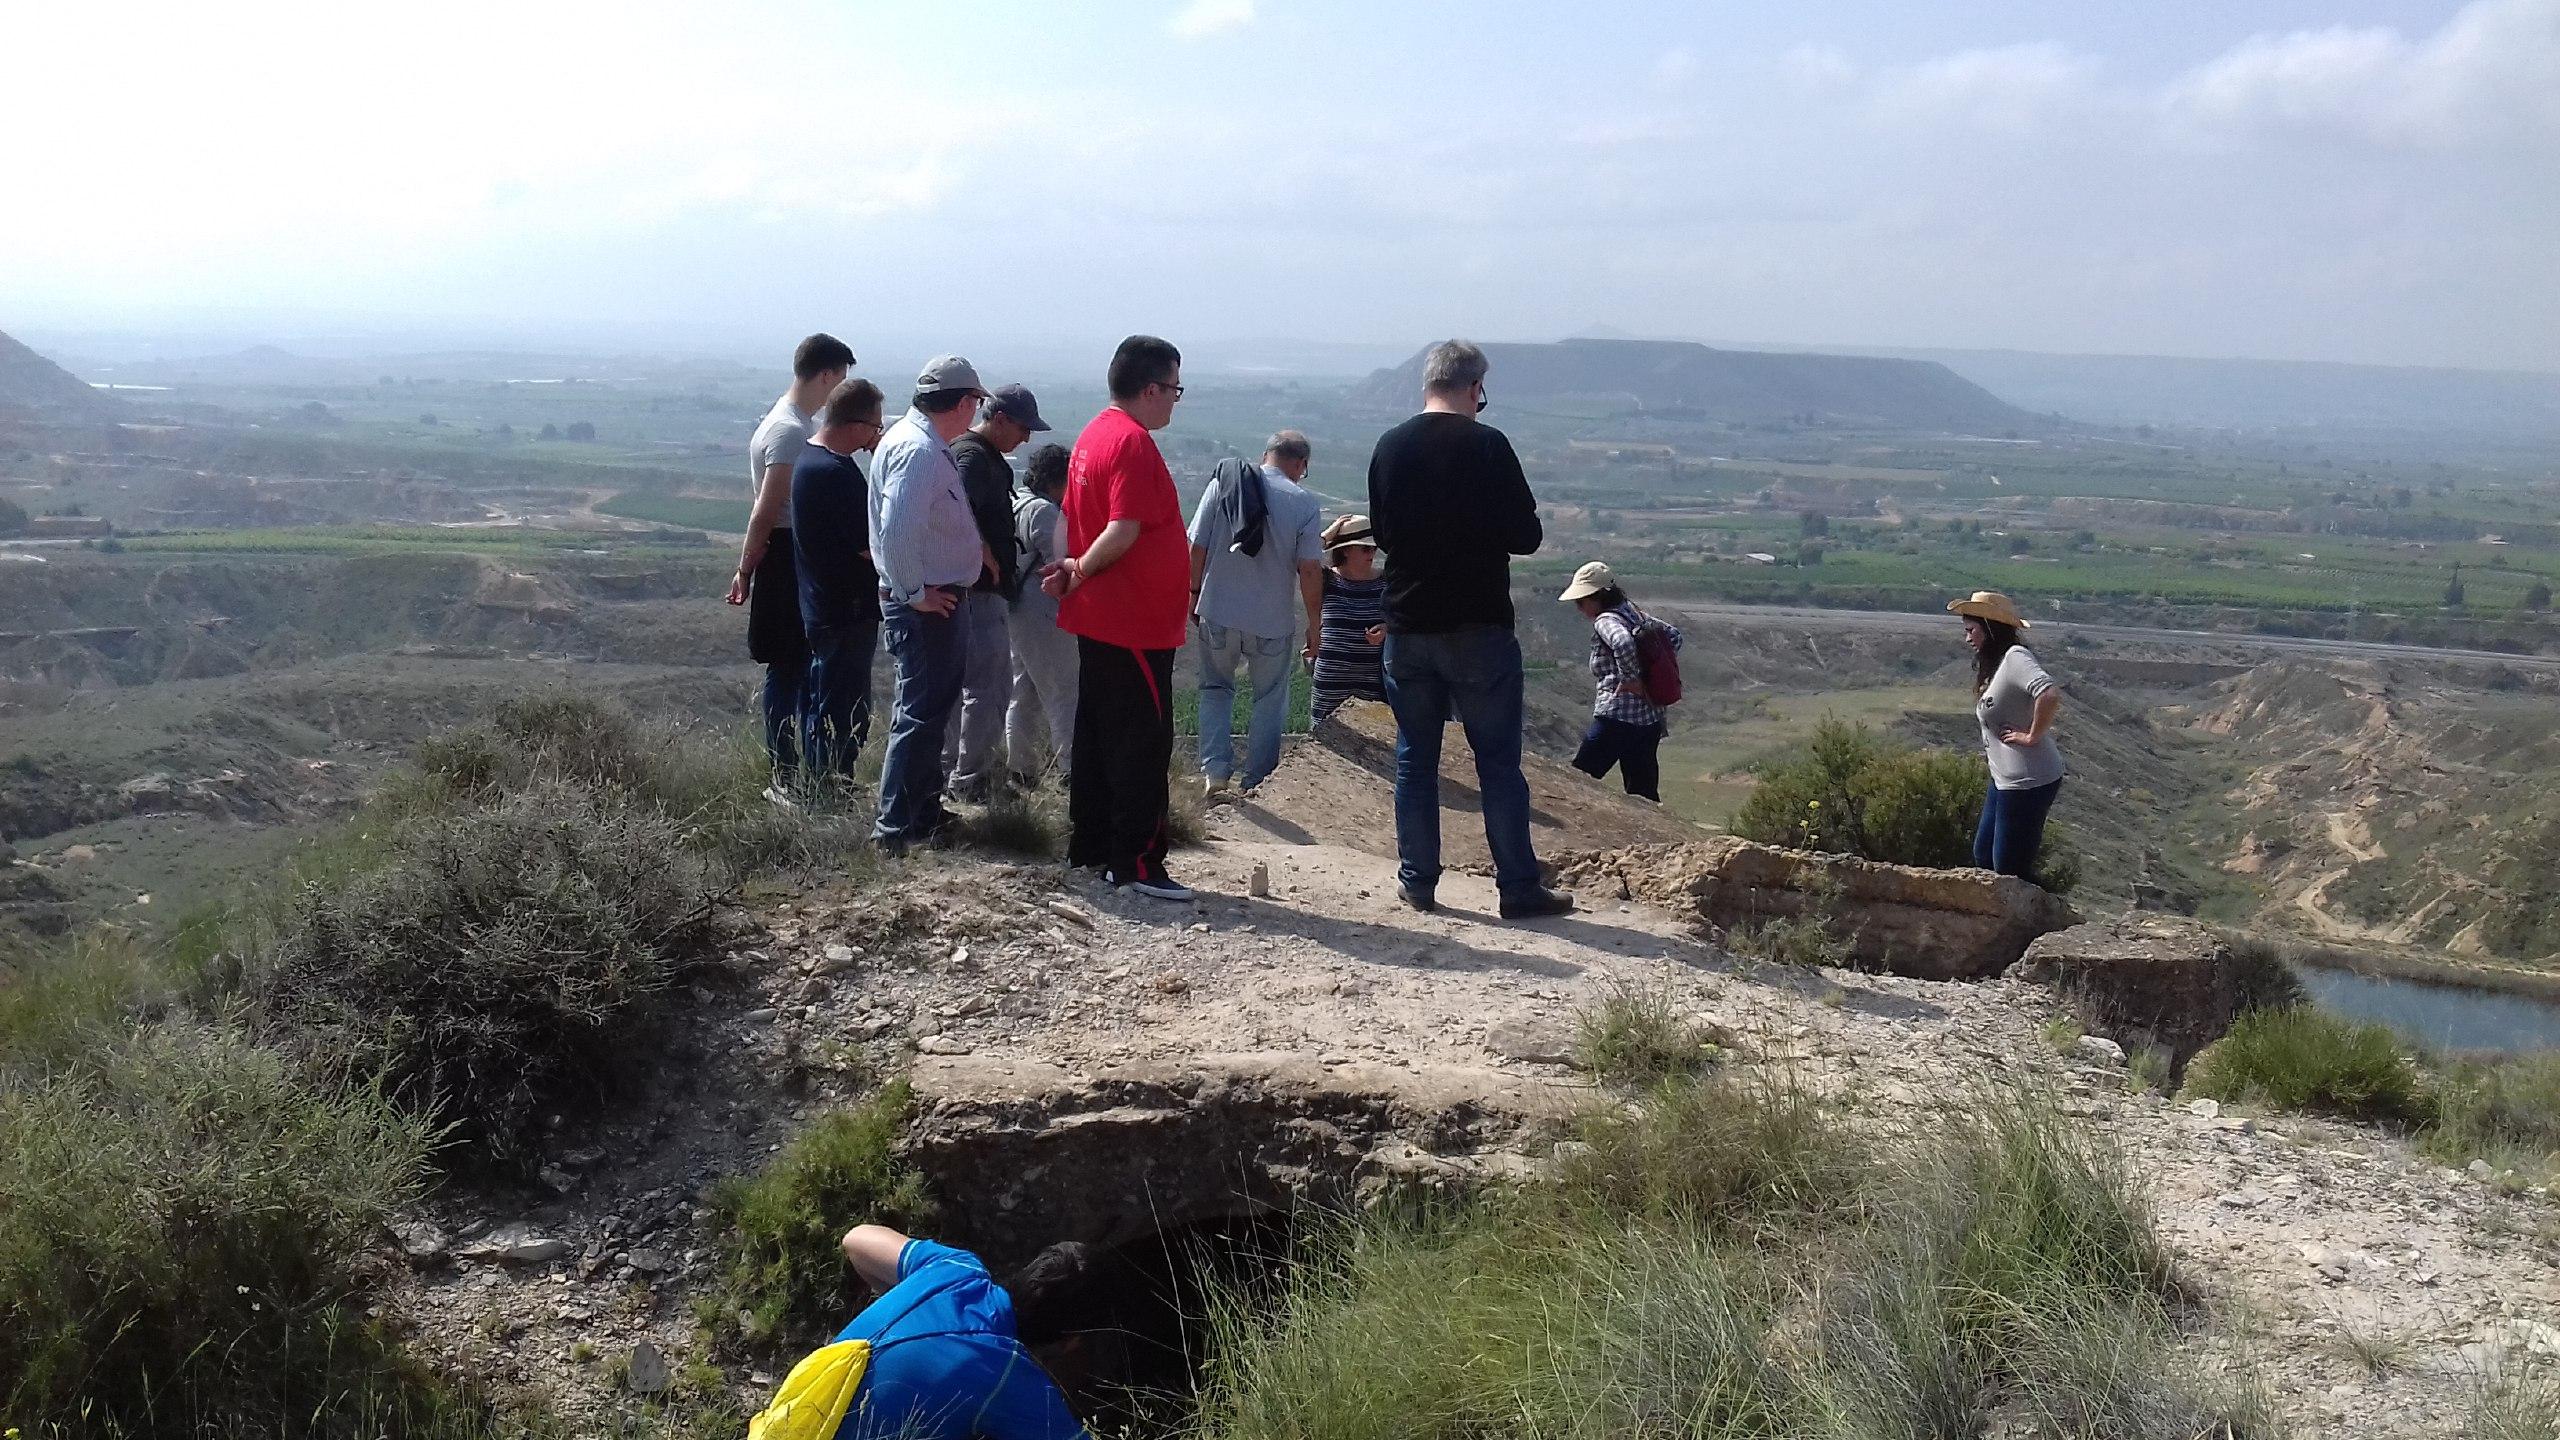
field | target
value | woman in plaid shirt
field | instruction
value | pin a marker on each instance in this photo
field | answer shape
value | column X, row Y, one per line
column 1626, row 726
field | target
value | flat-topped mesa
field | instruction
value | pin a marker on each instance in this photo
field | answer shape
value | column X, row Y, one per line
column 1926, row 924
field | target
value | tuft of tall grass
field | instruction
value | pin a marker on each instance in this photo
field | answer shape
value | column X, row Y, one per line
column 2521, row 1401
column 183, row 1220
column 782, row 1277
column 1031, row 823
column 1639, row 1039
column 1731, row 1152
column 2302, row 1058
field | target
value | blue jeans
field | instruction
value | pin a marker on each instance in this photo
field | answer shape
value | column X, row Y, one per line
column 1635, row 749
column 835, row 709
column 1474, row 674
column 931, row 652
column 1266, row 663
column 2012, row 829
column 785, row 683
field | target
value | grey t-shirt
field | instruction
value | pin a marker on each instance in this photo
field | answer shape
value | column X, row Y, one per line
column 1258, row 594
column 2009, row 703
column 1040, row 538
column 777, row 441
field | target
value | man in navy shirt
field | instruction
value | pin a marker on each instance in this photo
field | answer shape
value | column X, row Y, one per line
column 839, row 588
column 949, row 1356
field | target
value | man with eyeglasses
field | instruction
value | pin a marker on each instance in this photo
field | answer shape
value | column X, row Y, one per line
column 839, row 586
column 1450, row 506
column 1123, row 591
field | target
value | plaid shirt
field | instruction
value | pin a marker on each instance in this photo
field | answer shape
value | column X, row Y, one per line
column 1617, row 679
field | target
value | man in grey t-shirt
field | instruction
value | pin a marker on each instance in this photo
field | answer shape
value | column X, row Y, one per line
column 767, row 582
column 1245, row 607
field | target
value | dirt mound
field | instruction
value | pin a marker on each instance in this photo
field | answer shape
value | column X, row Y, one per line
column 1340, row 785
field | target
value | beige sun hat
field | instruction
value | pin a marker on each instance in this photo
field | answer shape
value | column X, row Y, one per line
column 1990, row 605
column 1591, row 579
column 1348, row 530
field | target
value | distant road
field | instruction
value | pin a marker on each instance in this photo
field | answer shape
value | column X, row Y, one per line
column 1907, row 622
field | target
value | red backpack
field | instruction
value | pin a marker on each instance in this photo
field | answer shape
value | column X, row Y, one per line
column 1658, row 661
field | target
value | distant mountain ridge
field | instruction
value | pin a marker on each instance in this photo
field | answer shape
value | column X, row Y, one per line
column 1738, row 386
column 30, row 382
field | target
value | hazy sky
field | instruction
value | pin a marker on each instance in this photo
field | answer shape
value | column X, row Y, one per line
column 2357, row 180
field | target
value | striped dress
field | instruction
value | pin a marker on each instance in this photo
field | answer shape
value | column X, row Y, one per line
column 1348, row 667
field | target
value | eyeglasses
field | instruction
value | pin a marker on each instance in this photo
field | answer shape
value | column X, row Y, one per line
column 1168, row 385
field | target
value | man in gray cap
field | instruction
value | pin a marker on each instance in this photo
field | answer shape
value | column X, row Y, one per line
column 926, row 545
column 1010, row 417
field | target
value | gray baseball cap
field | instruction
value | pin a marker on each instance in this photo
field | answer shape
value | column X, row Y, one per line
column 948, row 372
column 1014, row 402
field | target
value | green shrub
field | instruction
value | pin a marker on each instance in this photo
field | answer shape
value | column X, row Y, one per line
column 782, row 1276
column 1799, row 941
column 2302, row 1058
column 497, row 962
column 1853, row 793
column 1640, row 1040
column 182, row 1225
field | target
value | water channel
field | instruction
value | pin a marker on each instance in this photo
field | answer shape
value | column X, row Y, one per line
column 2446, row 1017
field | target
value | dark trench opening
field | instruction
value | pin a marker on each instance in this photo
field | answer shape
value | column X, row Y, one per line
column 1142, row 1322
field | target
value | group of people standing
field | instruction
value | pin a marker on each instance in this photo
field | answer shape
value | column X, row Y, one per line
column 1046, row 615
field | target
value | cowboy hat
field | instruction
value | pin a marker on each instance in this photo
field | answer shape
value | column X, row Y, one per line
column 1349, row 530
column 1990, row 605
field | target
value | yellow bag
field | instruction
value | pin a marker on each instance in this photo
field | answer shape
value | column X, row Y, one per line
column 815, row 1395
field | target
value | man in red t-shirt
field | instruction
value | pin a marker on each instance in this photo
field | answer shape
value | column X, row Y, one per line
column 1124, row 590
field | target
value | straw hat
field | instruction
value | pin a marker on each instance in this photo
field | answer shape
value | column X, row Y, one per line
column 1990, row 605
column 1349, row 530
column 1590, row 580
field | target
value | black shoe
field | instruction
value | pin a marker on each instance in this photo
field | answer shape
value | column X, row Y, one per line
column 1148, row 880
column 1422, row 900
column 1537, row 905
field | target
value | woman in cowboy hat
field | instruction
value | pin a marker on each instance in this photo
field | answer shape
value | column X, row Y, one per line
column 2015, row 702
column 1352, row 625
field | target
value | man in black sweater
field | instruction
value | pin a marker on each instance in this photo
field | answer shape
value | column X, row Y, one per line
column 1450, row 508
column 1010, row 416
column 839, row 588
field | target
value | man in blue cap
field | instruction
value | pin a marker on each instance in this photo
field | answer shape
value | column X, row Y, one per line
column 1010, row 416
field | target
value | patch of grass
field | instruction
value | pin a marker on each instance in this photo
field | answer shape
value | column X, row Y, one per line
column 57, row 1002
column 2061, row 1033
column 2301, row 1058
column 2505, row 1110
column 1798, row 941
column 1639, row 1039
column 183, row 1226
column 2152, row 1068
column 1999, row 1268
column 498, row 962
column 782, row 1276
column 1030, row 823
column 2520, row 1402
column 1731, row 1151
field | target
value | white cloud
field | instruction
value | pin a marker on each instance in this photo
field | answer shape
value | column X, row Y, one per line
column 1818, row 67
column 1203, row 18
column 2492, row 72
column 2006, row 86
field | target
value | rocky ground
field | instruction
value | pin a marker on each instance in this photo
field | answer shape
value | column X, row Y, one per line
column 2369, row 1287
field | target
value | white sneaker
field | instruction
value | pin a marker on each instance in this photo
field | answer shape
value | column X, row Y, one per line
column 776, row 795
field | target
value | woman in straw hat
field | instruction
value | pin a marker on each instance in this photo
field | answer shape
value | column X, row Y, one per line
column 1352, row 625
column 2015, row 702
